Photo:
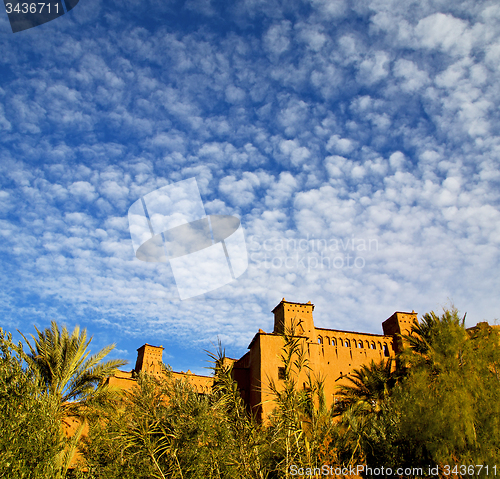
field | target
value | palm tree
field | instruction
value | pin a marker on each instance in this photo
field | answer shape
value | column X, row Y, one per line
column 370, row 386
column 73, row 378
column 361, row 406
column 68, row 372
column 436, row 341
column 449, row 399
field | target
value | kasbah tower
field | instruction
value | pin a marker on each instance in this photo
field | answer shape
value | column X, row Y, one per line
column 332, row 354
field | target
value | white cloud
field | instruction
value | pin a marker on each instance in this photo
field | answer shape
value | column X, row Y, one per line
column 330, row 9
column 445, row 32
column 334, row 165
column 281, row 192
column 387, row 131
column 83, row 190
column 240, row 192
column 414, row 79
column 339, row 145
column 277, row 39
column 374, row 68
column 234, row 94
column 297, row 154
column 310, row 35
column 397, row 160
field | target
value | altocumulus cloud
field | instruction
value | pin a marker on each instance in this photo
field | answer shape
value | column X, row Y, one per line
column 326, row 122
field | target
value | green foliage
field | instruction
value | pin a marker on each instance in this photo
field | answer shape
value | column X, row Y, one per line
column 248, row 441
column 369, row 389
column 362, row 407
column 451, row 393
column 301, row 429
column 69, row 374
column 441, row 408
column 29, row 436
column 164, row 428
column 39, row 390
column 74, row 380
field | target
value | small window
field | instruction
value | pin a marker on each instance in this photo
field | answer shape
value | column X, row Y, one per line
column 347, row 344
column 281, row 373
column 327, row 341
column 386, row 351
column 373, row 345
column 360, row 344
column 320, row 340
column 334, row 343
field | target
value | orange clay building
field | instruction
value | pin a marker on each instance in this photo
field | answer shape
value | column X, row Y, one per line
column 332, row 354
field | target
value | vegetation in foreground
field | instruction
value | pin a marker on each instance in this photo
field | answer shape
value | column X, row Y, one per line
column 437, row 404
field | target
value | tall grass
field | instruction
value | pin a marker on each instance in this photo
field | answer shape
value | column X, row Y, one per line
column 163, row 428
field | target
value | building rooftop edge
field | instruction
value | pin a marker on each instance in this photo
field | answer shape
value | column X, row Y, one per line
column 355, row 332
column 129, row 374
column 292, row 302
column 150, row 345
column 262, row 333
column 400, row 312
column 185, row 373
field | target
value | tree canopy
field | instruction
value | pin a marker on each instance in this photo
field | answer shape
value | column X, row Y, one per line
column 436, row 404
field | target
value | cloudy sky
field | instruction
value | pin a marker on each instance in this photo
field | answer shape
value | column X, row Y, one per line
column 358, row 142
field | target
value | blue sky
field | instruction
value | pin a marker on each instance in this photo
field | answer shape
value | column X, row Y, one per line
column 330, row 128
